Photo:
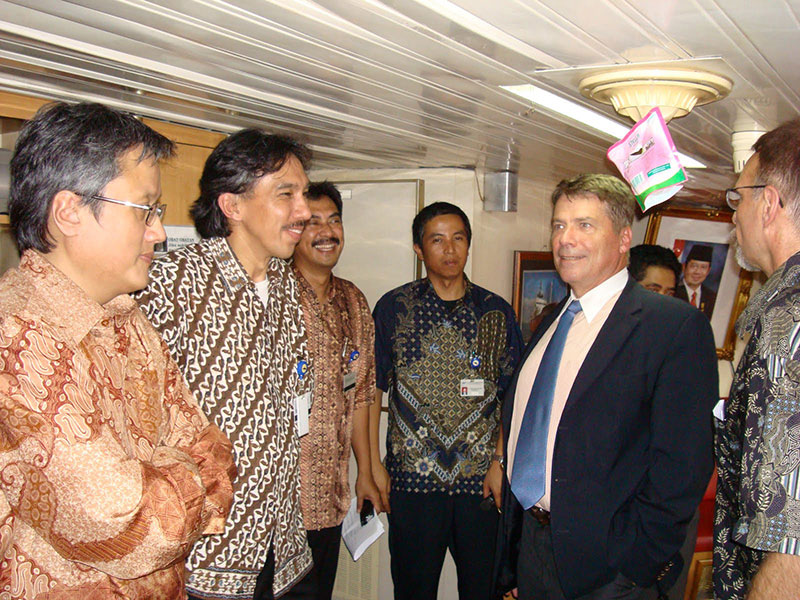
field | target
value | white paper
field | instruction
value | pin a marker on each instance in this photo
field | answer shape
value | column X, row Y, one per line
column 177, row 237
column 359, row 537
column 719, row 410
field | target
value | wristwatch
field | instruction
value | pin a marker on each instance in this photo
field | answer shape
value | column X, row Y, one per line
column 500, row 458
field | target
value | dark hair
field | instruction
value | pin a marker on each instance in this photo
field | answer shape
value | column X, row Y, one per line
column 437, row 209
column 325, row 189
column 74, row 147
column 650, row 255
column 779, row 164
column 615, row 195
column 234, row 167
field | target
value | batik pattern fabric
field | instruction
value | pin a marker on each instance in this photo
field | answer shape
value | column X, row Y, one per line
column 758, row 443
column 246, row 363
column 341, row 338
column 109, row 471
column 438, row 439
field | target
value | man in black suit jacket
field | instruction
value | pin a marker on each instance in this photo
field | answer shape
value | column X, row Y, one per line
column 629, row 442
column 695, row 270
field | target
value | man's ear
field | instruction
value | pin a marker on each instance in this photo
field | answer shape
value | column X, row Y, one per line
column 625, row 239
column 229, row 205
column 772, row 205
column 65, row 214
column 418, row 252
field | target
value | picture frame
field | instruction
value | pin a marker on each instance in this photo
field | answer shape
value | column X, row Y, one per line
column 537, row 289
column 681, row 229
column 699, row 585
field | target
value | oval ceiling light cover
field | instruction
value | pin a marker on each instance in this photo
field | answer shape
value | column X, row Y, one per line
column 633, row 92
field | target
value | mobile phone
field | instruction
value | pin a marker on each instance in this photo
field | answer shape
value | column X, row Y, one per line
column 487, row 504
column 367, row 511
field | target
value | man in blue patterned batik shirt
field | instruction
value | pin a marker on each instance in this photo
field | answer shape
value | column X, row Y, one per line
column 757, row 516
column 444, row 351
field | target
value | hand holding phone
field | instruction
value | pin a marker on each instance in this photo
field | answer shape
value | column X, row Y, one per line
column 367, row 511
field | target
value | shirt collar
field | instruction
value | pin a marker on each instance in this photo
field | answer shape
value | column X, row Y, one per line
column 307, row 289
column 426, row 288
column 230, row 268
column 690, row 291
column 594, row 300
column 785, row 276
column 69, row 307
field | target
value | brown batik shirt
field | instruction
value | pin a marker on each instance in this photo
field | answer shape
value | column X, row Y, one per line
column 109, row 472
column 246, row 362
column 341, row 340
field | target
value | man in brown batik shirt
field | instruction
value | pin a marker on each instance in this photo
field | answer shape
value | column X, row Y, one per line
column 341, row 338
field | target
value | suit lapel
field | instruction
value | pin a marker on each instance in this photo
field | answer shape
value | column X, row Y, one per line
column 621, row 322
column 508, row 400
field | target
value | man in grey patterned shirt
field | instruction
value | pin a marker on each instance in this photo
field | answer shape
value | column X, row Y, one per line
column 757, row 513
column 229, row 311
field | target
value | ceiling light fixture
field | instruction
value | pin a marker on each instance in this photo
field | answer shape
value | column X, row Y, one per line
column 572, row 110
column 634, row 90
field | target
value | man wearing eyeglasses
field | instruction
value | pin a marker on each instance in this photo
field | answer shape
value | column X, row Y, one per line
column 757, row 514
column 229, row 309
column 109, row 471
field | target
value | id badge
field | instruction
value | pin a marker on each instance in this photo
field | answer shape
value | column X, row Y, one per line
column 471, row 388
column 302, row 407
column 349, row 381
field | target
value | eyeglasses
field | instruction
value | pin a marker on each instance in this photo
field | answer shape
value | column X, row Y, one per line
column 152, row 210
column 733, row 196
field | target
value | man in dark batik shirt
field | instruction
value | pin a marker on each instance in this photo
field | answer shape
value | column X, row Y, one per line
column 757, row 519
column 445, row 350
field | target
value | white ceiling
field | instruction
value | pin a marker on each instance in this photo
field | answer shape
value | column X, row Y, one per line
column 405, row 83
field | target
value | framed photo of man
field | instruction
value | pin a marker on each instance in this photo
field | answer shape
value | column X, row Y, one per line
column 537, row 289
column 712, row 281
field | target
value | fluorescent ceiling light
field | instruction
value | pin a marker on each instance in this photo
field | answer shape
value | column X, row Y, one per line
column 590, row 118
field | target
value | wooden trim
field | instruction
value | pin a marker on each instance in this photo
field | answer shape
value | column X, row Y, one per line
column 181, row 134
column 17, row 106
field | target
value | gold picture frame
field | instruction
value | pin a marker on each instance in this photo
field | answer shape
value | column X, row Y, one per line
column 700, row 585
column 681, row 228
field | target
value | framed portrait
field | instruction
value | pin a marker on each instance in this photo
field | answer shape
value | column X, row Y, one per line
column 537, row 289
column 699, row 586
column 711, row 280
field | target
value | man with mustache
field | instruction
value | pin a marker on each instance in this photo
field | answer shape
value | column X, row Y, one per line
column 229, row 311
column 756, row 524
column 341, row 336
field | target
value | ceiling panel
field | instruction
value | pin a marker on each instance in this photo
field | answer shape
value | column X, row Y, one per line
column 405, row 83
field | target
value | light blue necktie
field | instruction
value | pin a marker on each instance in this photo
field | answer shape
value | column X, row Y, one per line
column 530, row 457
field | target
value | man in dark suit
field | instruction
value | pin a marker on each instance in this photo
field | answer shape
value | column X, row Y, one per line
column 695, row 270
column 608, row 445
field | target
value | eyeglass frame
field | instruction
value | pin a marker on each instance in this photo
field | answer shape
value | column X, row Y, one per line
column 734, row 205
column 158, row 209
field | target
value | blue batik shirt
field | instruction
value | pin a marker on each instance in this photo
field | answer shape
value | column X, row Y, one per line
column 758, row 444
column 441, row 437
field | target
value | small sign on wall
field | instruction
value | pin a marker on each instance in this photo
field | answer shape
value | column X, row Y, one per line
column 178, row 236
